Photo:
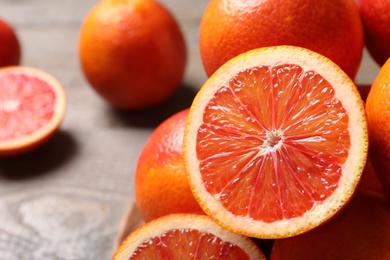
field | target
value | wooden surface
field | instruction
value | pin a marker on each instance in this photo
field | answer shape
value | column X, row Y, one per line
column 66, row 200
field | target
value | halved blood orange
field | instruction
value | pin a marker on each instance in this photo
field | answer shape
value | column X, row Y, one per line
column 32, row 106
column 186, row 236
column 275, row 142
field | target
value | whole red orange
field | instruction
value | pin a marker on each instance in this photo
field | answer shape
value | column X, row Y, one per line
column 331, row 28
column 376, row 19
column 161, row 185
column 378, row 119
column 10, row 50
column 132, row 52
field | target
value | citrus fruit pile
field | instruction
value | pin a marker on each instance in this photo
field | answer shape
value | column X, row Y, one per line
column 32, row 101
column 276, row 143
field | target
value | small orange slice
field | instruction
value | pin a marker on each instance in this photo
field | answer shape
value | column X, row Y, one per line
column 32, row 106
column 186, row 236
column 275, row 142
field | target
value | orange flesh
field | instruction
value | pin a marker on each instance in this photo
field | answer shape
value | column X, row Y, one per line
column 26, row 104
column 273, row 142
column 188, row 244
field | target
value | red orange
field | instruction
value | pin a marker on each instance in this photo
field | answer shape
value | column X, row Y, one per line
column 378, row 118
column 10, row 51
column 376, row 19
column 331, row 28
column 161, row 185
column 132, row 52
column 276, row 141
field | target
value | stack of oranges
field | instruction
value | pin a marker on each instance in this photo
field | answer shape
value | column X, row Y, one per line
column 278, row 145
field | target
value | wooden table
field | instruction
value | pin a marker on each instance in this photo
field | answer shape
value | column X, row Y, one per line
column 66, row 200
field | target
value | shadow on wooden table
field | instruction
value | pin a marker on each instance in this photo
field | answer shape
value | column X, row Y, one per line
column 154, row 116
column 42, row 161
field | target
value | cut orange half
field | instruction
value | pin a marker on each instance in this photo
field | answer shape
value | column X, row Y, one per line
column 32, row 106
column 186, row 236
column 275, row 142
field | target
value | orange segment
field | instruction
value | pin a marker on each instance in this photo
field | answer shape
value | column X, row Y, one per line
column 32, row 105
column 186, row 236
column 174, row 243
column 273, row 139
column 275, row 142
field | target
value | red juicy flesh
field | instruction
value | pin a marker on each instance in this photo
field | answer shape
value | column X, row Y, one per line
column 26, row 104
column 273, row 142
column 188, row 244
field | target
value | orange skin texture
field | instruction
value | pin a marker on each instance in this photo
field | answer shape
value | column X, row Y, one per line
column 161, row 185
column 360, row 231
column 378, row 120
column 132, row 52
column 376, row 20
column 10, row 51
column 332, row 28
